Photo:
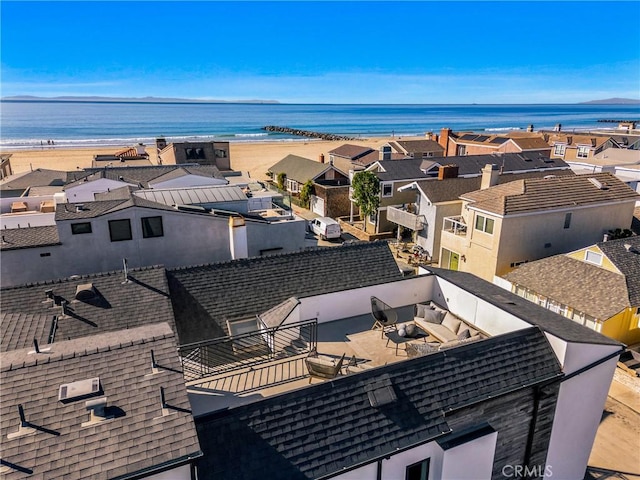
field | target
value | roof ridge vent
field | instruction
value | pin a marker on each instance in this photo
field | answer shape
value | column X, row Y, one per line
column 80, row 389
column 85, row 292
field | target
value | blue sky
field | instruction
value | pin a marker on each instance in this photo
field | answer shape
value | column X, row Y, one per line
column 324, row 52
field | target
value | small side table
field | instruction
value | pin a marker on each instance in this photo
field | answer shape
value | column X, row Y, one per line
column 398, row 340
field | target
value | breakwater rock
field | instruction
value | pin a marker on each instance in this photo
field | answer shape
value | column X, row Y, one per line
column 306, row 133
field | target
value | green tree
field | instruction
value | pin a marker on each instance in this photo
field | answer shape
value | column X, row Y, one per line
column 305, row 193
column 280, row 179
column 366, row 192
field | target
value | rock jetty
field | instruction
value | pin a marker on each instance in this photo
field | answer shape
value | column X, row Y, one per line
column 306, row 133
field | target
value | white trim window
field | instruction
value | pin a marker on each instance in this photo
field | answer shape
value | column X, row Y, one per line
column 292, row 186
column 583, row 151
column 593, row 257
column 387, row 189
column 559, row 149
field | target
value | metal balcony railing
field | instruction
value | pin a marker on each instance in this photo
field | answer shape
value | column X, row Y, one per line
column 455, row 225
column 401, row 216
column 226, row 354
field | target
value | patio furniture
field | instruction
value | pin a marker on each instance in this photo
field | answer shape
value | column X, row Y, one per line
column 385, row 316
column 322, row 366
column 398, row 340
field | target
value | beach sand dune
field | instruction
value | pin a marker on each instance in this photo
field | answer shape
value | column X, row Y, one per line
column 252, row 157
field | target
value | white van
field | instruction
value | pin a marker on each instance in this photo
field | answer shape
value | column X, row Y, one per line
column 326, row 227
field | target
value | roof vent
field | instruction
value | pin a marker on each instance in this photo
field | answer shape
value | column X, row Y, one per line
column 598, row 184
column 97, row 411
column 79, row 389
column 79, row 207
column 85, row 292
column 381, row 393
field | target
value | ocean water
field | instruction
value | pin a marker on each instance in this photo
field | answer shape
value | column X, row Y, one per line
column 25, row 124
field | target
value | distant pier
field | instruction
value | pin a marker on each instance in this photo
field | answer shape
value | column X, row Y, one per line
column 306, row 133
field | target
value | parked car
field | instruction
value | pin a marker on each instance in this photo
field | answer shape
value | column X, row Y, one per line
column 325, row 227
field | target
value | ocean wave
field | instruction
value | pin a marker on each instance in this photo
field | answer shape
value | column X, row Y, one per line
column 252, row 135
column 501, row 129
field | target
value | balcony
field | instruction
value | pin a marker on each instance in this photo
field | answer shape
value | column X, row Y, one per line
column 402, row 216
column 455, row 225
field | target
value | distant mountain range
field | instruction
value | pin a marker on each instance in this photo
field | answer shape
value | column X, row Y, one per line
column 30, row 98
column 613, row 101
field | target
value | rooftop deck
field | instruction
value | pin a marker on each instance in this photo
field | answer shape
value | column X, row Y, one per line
column 363, row 347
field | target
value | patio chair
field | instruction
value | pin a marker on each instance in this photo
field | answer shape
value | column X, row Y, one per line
column 321, row 366
column 386, row 317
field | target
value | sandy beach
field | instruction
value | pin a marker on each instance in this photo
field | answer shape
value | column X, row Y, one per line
column 252, row 157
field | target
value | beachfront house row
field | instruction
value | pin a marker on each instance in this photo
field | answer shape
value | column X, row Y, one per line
column 503, row 226
column 467, row 143
column 527, row 392
column 99, row 236
column 596, row 286
column 217, row 154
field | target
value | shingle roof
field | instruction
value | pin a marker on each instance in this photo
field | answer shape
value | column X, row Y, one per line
column 405, row 169
column 18, row 330
column 627, row 261
column 508, row 162
column 68, row 211
column 451, row 188
column 527, row 311
column 352, row 152
column 420, row 145
column 139, row 437
column 182, row 171
column 143, row 300
column 559, row 191
column 122, row 193
column 39, row 177
column 299, row 169
column 531, row 143
column 206, row 296
column 574, row 140
column 16, row 238
column 324, row 428
column 580, row 285
column 141, row 175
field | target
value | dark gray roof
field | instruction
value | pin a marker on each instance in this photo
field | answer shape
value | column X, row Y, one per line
column 29, row 237
column 141, row 175
column 68, row 211
column 204, row 297
column 508, row 162
column 420, row 146
column 322, row 429
column 300, row 169
column 627, row 261
column 405, row 169
column 18, row 330
column 40, row 177
column 451, row 188
column 143, row 300
column 122, row 193
column 138, row 438
column 527, row 311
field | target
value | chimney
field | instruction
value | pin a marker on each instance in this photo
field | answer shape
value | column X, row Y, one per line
column 558, row 127
column 444, row 140
column 321, row 158
column 161, row 143
column 385, row 152
column 490, row 174
column 448, row 171
column 238, row 238
column 530, row 128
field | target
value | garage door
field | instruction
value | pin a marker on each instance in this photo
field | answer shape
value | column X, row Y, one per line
column 317, row 205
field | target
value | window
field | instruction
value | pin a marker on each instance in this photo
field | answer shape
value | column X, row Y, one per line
column 559, row 149
column 484, row 224
column 220, row 153
column 567, row 220
column 194, row 153
column 79, row 228
column 387, row 189
column 293, row 186
column 461, row 150
column 152, row 227
column 583, row 152
column 120, row 230
column 418, row 471
column 593, row 257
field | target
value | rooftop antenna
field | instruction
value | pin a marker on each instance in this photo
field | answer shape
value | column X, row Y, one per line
column 35, row 345
column 63, row 304
column 162, row 399
column 126, row 273
column 154, row 365
column 23, row 420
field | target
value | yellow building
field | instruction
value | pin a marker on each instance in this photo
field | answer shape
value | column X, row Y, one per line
column 597, row 286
